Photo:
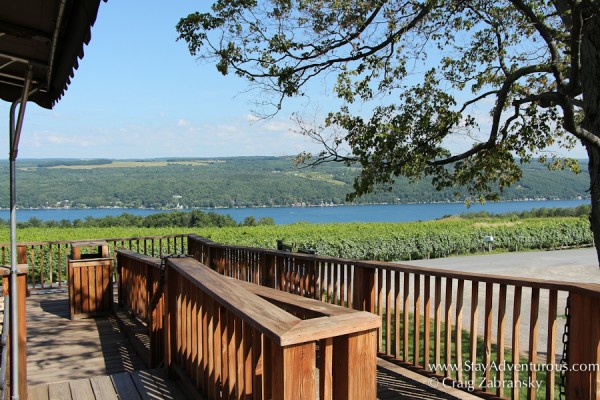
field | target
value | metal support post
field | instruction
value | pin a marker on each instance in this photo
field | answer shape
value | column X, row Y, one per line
column 15, row 133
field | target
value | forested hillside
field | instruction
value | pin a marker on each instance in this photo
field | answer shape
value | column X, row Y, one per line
column 235, row 182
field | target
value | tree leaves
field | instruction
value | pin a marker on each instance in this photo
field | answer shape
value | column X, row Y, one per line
column 415, row 76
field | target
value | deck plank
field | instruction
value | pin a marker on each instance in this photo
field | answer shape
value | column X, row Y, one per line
column 103, row 388
column 59, row 391
column 38, row 392
column 81, row 389
column 125, row 387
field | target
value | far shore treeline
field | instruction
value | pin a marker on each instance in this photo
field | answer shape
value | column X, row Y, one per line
column 180, row 219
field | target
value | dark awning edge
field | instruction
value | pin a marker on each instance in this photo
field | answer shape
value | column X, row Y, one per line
column 75, row 35
column 71, row 32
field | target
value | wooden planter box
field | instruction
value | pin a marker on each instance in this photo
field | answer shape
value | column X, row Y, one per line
column 90, row 281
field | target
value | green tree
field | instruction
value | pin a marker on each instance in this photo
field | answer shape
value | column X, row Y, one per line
column 516, row 76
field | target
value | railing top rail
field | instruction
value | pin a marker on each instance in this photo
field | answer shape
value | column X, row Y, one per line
column 261, row 314
column 294, row 302
column 589, row 289
column 155, row 262
column 324, row 317
column 282, row 327
column 107, row 240
column 21, row 269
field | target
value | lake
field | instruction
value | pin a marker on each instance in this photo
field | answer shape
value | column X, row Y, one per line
column 289, row 215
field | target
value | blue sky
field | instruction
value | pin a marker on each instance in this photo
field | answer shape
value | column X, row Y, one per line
column 138, row 93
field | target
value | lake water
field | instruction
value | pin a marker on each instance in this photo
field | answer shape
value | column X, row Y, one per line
column 288, row 215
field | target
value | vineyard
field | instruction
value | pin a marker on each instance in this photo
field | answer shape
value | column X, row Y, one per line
column 416, row 240
column 366, row 241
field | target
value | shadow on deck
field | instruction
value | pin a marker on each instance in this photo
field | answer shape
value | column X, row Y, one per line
column 92, row 358
column 85, row 359
column 136, row 385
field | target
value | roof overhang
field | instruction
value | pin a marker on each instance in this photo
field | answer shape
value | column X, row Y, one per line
column 47, row 36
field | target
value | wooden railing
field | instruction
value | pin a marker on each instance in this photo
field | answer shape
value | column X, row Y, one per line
column 138, row 276
column 234, row 339
column 142, row 292
column 48, row 260
column 232, row 343
column 487, row 333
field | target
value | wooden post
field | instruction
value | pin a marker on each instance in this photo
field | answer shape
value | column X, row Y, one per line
column 22, row 329
column 354, row 366
column 267, row 270
column 583, row 380
column 294, row 372
column 364, row 289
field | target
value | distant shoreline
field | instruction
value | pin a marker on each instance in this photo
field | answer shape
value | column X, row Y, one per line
column 286, row 206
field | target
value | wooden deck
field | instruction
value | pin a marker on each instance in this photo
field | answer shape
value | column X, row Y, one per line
column 60, row 349
column 135, row 385
column 92, row 359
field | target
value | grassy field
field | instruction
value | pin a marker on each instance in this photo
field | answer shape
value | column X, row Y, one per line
column 135, row 164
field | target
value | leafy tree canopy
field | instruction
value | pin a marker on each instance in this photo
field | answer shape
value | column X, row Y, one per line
column 514, row 76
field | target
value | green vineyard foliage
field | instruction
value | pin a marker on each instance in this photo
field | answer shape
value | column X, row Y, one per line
column 366, row 241
column 416, row 240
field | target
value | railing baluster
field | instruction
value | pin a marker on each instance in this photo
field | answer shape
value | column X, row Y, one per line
column 405, row 313
column 50, row 265
column 516, row 338
column 239, row 385
column 188, row 325
column 417, row 319
column 32, row 258
column 212, row 324
column 336, row 285
column 343, row 285
column 500, row 339
column 247, row 350
column 437, row 321
column 426, row 322
column 533, row 339
column 330, row 282
column 206, row 344
column 388, row 313
column 59, row 265
column 380, row 301
column 398, row 313
column 551, row 344
column 460, row 290
column 487, row 335
column 448, row 331
column 325, row 369
column 473, row 330
column 41, row 265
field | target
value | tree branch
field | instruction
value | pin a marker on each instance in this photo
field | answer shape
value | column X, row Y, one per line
column 546, row 34
column 502, row 95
